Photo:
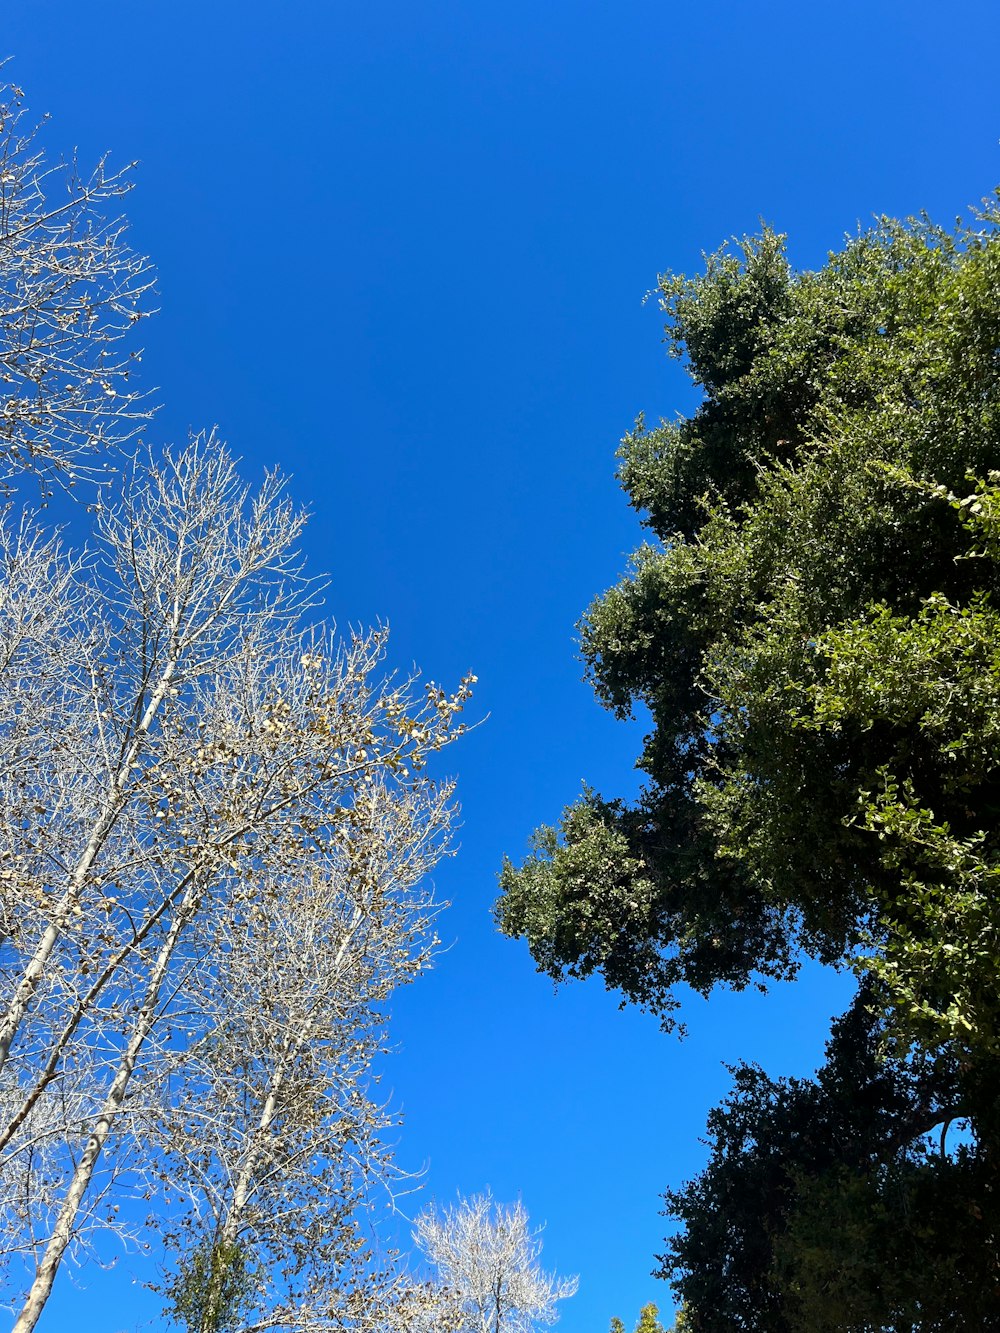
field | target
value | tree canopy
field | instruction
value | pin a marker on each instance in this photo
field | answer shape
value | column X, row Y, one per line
column 813, row 629
column 827, row 1205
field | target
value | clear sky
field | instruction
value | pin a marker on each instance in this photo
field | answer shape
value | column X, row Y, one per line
column 403, row 250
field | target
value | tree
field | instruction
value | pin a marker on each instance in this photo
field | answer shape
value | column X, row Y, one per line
column 485, row 1257
column 213, row 825
column 215, row 829
column 287, row 1141
column 70, row 292
column 649, row 1321
column 815, row 508
column 835, row 1203
column 813, row 629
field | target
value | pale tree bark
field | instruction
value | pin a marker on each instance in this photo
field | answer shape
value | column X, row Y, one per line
column 298, row 1025
column 178, row 536
column 215, row 821
column 218, row 768
column 62, row 1232
column 185, row 576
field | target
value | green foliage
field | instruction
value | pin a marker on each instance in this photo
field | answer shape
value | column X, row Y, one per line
column 212, row 1289
column 897, row 1246
column 649, row 1321
column 813, row 628
column 814, row 634
column 825, row 1205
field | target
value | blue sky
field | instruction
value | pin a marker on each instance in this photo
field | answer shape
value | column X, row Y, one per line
column 402, row 252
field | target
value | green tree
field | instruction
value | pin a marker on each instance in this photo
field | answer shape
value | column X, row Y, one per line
column 814, row 634
column 649, row 1322
column 813, row 629
column 825, row 1206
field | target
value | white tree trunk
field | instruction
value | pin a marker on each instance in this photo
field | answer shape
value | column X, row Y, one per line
column 62, row 1232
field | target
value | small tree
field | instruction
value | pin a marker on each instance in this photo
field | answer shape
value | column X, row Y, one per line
column 649, row 1321
column 212, row 1288
column 485, row 1256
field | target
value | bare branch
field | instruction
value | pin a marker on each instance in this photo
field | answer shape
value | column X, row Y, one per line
column 215, row 832
column 70, row 292
column 485, row 1256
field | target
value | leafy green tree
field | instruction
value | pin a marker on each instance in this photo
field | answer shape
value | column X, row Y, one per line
column 813, row 630
column 825, row 1205
column 813, row 633
column 649, row 1321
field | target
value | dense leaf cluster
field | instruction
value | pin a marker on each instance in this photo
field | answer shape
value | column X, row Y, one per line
column 213, row 1288
column 814, row 631
column 829, row 1204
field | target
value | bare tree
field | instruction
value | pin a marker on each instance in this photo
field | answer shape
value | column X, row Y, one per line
column 212, row 828
column 281, row 1122
column 485, row 1256
column 70, row 291
column 215, row 831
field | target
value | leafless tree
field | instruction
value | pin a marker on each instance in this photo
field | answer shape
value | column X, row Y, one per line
column 214, row 826
column 70, row 291
column 215, row 832
column 280, row 1120
column 485, row 1257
